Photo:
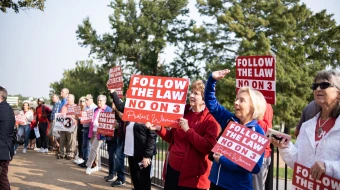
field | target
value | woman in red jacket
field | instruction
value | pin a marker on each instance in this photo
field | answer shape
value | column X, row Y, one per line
column 188, row 166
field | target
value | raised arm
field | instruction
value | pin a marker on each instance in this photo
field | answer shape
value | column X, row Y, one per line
column 221, row 114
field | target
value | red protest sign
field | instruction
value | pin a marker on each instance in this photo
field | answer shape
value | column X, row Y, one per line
column 115, row 78
column 257, row 72
column 159, row 100
column 302, row 179
column 241, row 145
column 71, row 109
column 86, row 116
column 20, row 119
column 77, row 111
column 106, row 123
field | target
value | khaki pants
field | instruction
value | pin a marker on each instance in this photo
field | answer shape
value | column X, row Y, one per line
column 66, row 142
column 259, row 180
column 94, row 151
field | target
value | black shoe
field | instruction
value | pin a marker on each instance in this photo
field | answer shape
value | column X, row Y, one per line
column 111, row 178
column 117, row 183
column 82, row 165
column 60, row 157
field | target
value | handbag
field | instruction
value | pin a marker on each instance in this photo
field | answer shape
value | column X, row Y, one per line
column 20, row 139
column 36, row 132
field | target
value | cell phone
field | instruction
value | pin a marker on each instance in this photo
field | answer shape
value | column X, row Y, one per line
column 282, row 137
column 140, row 164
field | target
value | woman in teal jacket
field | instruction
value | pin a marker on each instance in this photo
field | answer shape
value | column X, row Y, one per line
column 250, row 106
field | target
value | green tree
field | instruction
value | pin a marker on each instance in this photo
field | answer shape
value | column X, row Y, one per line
column 140, row 32
column 302, row 41
column 21, row 5
column 85, row 78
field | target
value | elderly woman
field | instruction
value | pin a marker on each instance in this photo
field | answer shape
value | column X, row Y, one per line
column 317, row 145
column 96, row 139
column 79, row 158
column 188, row 165
column 250, row 107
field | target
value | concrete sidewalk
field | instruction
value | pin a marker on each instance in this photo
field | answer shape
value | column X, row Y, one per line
column 43, row 171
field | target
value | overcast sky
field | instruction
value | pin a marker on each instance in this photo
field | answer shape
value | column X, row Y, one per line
column 36, row 47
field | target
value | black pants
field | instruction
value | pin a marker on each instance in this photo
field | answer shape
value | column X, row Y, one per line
column 80, row 140
column 215, row 187
column 4, row 183
column 43, row 136
column 140, row 177
column 171, row 180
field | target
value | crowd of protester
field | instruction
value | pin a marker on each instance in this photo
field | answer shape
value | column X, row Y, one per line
column 189, row 163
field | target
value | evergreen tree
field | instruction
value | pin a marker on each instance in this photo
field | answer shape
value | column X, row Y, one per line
column 302, row 41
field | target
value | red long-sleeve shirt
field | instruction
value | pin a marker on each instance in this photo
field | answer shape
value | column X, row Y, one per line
column 266, row 123
column 43, row 117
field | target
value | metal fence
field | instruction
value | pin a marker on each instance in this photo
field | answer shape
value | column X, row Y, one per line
column 158, row 163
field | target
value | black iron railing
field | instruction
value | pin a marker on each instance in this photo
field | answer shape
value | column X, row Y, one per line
column 158, row 164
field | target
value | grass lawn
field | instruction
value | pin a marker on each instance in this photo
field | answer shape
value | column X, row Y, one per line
column 282, row 173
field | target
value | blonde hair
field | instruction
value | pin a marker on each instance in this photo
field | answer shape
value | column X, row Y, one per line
column 258, row 102
column 81, row 98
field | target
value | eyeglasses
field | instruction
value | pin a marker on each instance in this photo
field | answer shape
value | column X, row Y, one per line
column 82, row 101
column 323, row 85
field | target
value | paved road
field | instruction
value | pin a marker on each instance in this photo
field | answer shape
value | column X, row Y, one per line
column 43, row 171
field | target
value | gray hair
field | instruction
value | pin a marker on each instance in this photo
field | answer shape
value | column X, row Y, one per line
column 71, row 96
column 101, row 97
column 332, row 76
column 66, row 90
column 3, row 93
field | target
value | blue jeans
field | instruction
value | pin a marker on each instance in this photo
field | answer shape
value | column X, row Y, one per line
column 120, row 156
column 111, row 148
column 85, row 145
column 21, row 130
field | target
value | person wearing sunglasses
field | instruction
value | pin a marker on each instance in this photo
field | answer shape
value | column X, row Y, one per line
column 317, row 145
column 79, row 157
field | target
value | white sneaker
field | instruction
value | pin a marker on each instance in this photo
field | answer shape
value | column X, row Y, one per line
column 44, row 150
column 79, row 161
column 88, row 171
column 95, row 169
column 24, row 151
column 40, row 150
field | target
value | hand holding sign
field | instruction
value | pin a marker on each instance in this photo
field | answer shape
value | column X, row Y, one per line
column 217, row 157
column 183, row 123
column 317, row 170
column 217, row 75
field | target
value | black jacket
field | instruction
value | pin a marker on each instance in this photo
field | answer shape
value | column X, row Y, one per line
column 120, row 107
column 144, row 139
column 7, row 122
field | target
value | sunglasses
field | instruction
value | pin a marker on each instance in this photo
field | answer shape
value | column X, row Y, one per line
column 82, row 101
column 323, row 85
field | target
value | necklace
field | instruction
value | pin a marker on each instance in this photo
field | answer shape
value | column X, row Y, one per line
column 319, row 131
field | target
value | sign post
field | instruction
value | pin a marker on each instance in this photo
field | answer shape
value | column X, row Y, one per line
column 107, row 122
column 116, row 80
column 64, row 122
column 302, row 179
column 158, row 100
column 257, row 72
column 241, row 145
